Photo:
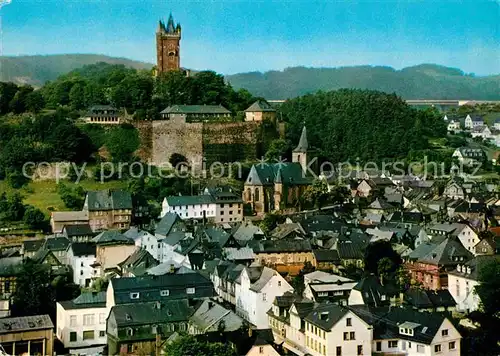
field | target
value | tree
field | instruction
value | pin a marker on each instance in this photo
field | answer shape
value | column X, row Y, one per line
column 278, row 149
column 271, row 221
column 316, row 194
column 122, row 142
column 377, row 251
column 72, row 198
column 189, row 345
column 339, row 194
column 35, row 219
column 177, row 160
column 488, row 289
column 35, row 101
column 385, row 267
column 298, row 280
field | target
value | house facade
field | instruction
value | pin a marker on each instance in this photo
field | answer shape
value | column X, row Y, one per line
column 108, row 209
column 103, row 115
column 81, row 322
column 195, row 113
column 259, row 111
column 81, row 257
column 29, row 335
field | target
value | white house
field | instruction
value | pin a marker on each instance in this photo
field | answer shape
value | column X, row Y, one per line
column 482, row 131
column 322, row 286
column 463, row 279
column 145, row 240
column 81, row 255
column 468, row 155
column 81, row 322
column 190, row 207
column 496, row 125
column 473, row 122
column 453, row 125
column 468, row 237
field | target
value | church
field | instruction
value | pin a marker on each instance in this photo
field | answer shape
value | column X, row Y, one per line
column 278, row 186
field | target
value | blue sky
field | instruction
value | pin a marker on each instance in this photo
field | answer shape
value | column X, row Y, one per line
column 233, row 36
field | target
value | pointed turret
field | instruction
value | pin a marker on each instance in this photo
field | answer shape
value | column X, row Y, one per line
column 170, row 24
column 303, row 146
column 161, row 27
column 279, row 176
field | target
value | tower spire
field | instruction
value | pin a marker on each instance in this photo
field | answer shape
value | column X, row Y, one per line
column 170, row 24
column 303, row 145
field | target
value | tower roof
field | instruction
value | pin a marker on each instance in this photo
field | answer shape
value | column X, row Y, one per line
column 170, row 24
column 303, row 145
column 279, row 176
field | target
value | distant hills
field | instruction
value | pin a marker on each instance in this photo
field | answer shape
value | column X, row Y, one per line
column 426, row 81
column 36, row 70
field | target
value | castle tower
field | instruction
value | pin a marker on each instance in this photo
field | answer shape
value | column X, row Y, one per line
column 168, row 40
column 299, row 154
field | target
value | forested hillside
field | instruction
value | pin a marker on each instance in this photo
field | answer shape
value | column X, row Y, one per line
column 36, row 70
column 425, row 81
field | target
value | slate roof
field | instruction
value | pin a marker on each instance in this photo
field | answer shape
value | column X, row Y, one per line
column 422, row 250
column 77, row 230
column 326, row 256
column 25, row 323
column 140, row 258
column 86, row 300
column 112, row 237
column 419, row 298
column 185, row 200
column 291, row 172
column 325, row 316
column 473, row 208
column 475, row 266
column 60, row 243
column 474, row 153
column 195, row 109
column 83, row 248
column 209, row 315
column 264, row 277
column 380, row 204
column 246, row 231
column 166, row 223
column 70, row 216
column 32, row 245
column 449, row 252
column 350, row 251
column 407, row 217
column 281, row 246
column 149, row 287
column 108, row 200
column 373, row 292
column 260, row 106
column 238, row 254
column 169, row 311
column 303, row 145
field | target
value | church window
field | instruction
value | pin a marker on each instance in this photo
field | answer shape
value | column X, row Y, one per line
column 257, row 194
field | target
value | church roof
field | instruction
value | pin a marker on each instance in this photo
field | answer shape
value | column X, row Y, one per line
column 266, row 174
column 303, row 145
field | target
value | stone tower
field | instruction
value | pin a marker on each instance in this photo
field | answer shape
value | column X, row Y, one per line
column 168, row 40
column 299, row 154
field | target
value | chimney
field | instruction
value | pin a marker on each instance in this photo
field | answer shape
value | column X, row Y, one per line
column 250, row 332
column 210, row 304
column 158, row 305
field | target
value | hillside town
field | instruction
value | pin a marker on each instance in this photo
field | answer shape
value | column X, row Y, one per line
column 289, row 258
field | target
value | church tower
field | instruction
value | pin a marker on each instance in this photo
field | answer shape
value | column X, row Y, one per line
column 168, row 40
column 299, row 154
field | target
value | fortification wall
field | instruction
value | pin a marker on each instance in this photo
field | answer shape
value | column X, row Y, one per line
column 145, row 129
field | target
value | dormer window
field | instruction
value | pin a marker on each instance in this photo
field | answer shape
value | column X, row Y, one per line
column 134, row 295
column 190, row 290
column 165, row 293
column 130, row 331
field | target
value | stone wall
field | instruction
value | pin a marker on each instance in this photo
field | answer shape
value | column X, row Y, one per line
column 214, row 141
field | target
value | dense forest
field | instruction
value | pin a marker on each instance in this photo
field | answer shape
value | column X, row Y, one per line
column 369, row 125
column 425, row 81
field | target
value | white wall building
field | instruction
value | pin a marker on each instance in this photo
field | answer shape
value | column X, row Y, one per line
column 81, row 255
column 467, row 236
column 190, row 207
column 145, row 240
column 81, row 322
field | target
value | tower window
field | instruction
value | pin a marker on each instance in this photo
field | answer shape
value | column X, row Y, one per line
column 171, row 54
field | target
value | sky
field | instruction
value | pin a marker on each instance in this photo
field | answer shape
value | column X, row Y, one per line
column 231, row 36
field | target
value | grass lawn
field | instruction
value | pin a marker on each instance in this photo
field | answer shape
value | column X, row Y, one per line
column 43, row 194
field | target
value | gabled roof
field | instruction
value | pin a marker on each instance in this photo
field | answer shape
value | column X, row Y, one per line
column 265, row 276
column 140, row 257
column 450, row 251
column 260, row 106
column 380, row 204
column 86, row 300
column 373, row 292
column 10, row 266
column 281, row 246
column 211, row 315
column 195, row 109
column 59, row 243
column 350, row 251
column 326, row 256
column 108, row 200
column 32, row 245
column 419, row 298
column 185, row 200
column 471, row 269
column 325, row 316
column 166, row 223
column 112, row 237
column 64, row 216
column 77, row 230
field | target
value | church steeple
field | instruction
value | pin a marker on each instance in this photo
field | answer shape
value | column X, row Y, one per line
column 303, row 146
column 170, row 24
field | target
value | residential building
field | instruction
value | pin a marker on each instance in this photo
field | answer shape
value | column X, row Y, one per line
column 30, row 247
column 111, row 249
column 229, row 206
column 463, row 280
column 469, row 156
column 78, row 232
column 429, row 300
column 108, row 209
column 137, row 264
column 472, row 122
column 429, row 263
column 273, row 187
column 496, row 125
column 196, row 113
column 211, row 317
column 29, row 335
column 259, row 111
column 488, row 246
column 323, row 287
column 145, row 240
column 482, row 131
column 152, row 288
column 454, row 125
column 10, row 269
column 59, row 219
column 103, row 115
column 133, row 329
column 81, row 257
column 373, row 292
column 81, row 322
column 190, row 207
column 58, row 245
column 326, row 260
column 283, row 255
column 454, row 190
